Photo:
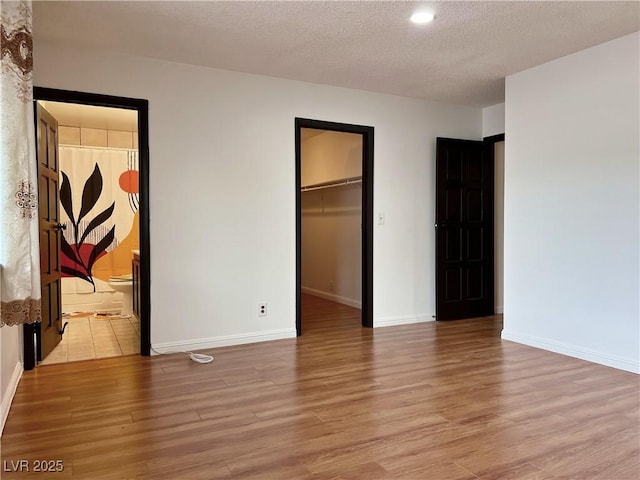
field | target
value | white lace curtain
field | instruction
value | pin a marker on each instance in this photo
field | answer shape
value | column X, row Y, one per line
column 19, row 251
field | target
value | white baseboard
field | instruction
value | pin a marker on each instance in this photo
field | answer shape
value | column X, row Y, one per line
column 7, row 398
column 401, row 320
column 332, row 296
column 620, row 363
column 224, row 341
column 499, row 309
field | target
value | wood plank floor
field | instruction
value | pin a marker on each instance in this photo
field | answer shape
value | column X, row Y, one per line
column 434, row 401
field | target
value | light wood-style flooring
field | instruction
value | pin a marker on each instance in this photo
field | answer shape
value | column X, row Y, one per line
column 431, row 401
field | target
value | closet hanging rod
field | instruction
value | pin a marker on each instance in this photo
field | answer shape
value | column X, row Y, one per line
column 331, row 184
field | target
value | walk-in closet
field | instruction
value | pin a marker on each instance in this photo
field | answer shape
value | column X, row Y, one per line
column 331, row 210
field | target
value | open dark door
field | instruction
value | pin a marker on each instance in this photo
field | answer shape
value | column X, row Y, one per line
column 48, row 332
column 464, row 230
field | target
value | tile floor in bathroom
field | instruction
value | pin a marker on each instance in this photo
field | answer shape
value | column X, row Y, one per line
column 88, row 337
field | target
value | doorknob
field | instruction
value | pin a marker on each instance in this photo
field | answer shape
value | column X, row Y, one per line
column 60, row 226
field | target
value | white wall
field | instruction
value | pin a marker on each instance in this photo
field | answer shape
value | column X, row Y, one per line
column 572, row 205
column 10, row 367
column 493, row 124
column 493, row 120
column 223, row 189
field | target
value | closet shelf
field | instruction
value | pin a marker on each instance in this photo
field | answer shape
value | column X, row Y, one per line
column 331, row 184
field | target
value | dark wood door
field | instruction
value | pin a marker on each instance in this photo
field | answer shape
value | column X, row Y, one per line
column 464, row 230
column 48, row 332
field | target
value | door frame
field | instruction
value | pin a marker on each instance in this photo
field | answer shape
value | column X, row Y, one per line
column 491, row 141
column 367, row 212
column 490, row 151
column 141, row 106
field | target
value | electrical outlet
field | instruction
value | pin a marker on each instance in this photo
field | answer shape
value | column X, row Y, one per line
column 262, row 309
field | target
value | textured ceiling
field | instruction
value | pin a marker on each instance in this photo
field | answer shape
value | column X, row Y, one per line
column 462, row 57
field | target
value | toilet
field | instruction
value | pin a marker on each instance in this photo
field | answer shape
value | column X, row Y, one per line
column 124, row 285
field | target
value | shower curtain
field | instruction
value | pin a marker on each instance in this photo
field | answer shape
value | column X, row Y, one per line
column 99, row 206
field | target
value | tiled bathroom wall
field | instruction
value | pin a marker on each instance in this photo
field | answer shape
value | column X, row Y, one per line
column 95, row 137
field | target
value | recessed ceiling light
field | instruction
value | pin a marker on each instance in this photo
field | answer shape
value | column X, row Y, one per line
column 422, row 17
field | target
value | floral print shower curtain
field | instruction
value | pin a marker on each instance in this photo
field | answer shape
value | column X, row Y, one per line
column 99, row 237
column 19, row 235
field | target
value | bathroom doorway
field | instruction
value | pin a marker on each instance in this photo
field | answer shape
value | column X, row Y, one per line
column 102, row 230
column 334, row 216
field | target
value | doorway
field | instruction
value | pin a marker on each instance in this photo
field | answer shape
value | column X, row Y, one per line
column 315, row 188
column 98, row 215
column 111, row 258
